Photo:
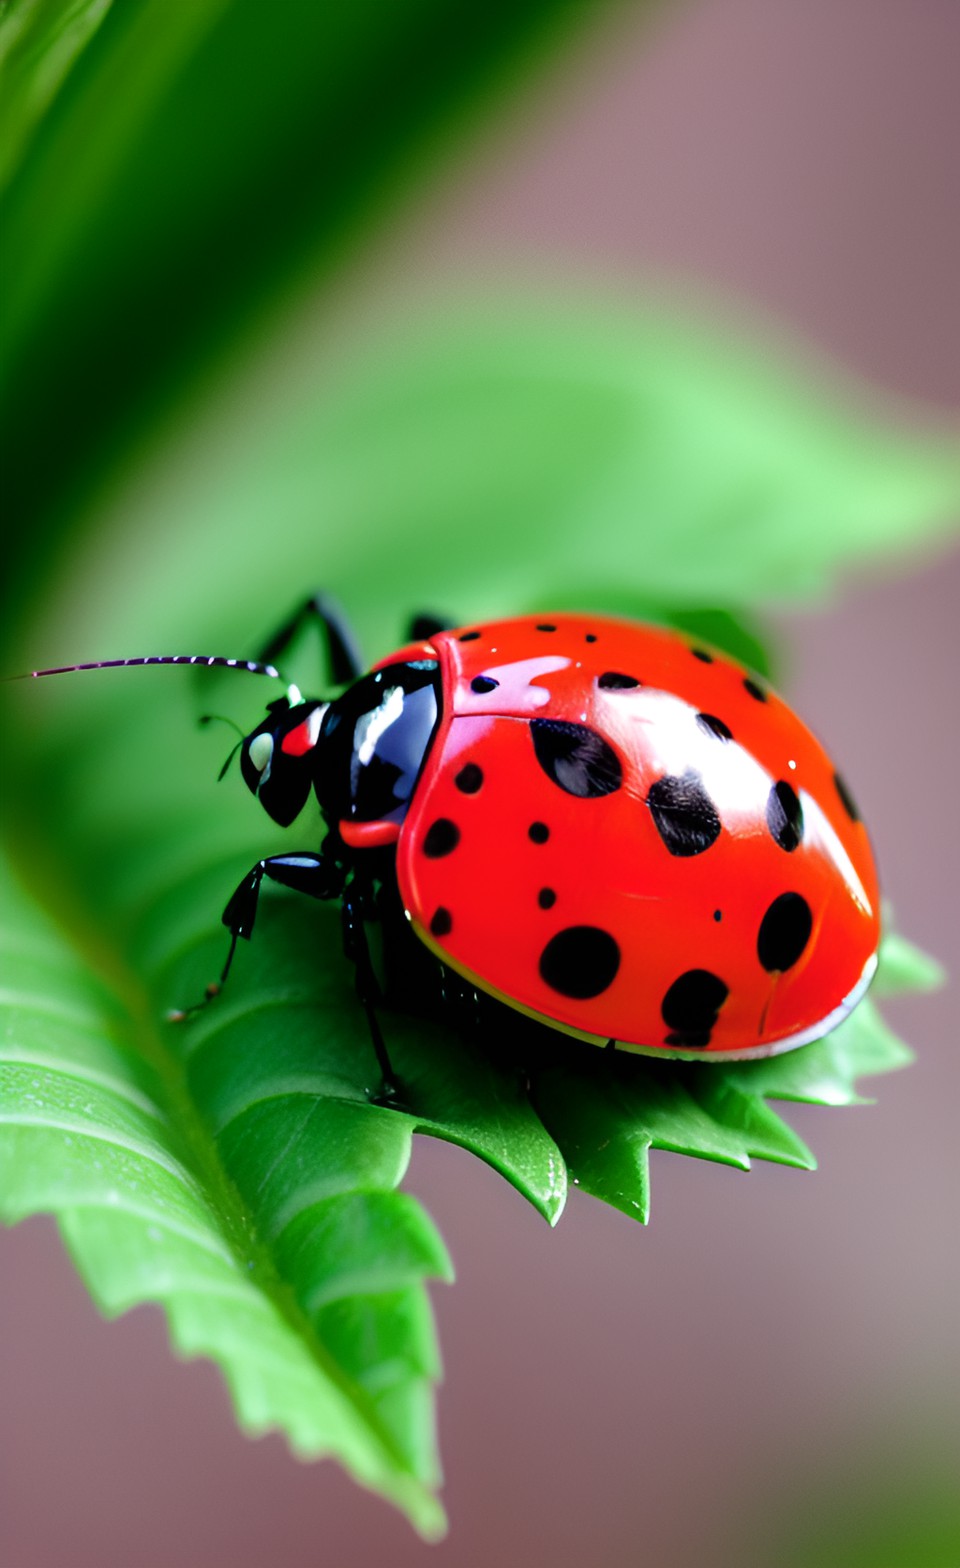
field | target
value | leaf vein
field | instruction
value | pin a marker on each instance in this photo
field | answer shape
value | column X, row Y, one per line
column 98, row 1134
column 87, row 1075
column 31, row 1001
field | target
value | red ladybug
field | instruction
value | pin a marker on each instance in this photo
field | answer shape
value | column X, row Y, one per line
column 606, row 826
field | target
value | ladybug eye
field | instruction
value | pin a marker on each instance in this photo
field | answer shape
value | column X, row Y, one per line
column 260, row 751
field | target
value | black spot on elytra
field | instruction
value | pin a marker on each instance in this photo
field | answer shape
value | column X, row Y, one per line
column 690, row 1007
column 785, row 815
column 711, row 725
column 469, row 779
column 718, row 914
column 612, row 680
column 784, row 932
column 576, row 758
column 442, row 836
column 538, row 832
column 683, row 813
column 546, row 898
column 468, row 636
column 546, row 627
column 442, row 922
column 849, row 804
column 483, row 683
column 590, row 637
column 756, row 691
column 702, row 655
column 580, row 961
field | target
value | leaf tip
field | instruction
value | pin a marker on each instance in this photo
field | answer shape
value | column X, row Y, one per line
column 428, row 1517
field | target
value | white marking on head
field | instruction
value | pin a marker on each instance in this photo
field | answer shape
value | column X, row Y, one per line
column 260, row 752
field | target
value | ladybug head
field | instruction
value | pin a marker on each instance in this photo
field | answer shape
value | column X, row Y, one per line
column 362, row 752
column 277, row 759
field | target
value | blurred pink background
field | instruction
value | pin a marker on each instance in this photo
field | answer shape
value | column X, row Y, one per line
column 615, row 1396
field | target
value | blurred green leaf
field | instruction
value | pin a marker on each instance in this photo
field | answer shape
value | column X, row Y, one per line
column 906, row 968
column 735, row 635
column 550, row 454
column 197, row 162
column 590, row 456
column 883, row 1495
column 39, row 42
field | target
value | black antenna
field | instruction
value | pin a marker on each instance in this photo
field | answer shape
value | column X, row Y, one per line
column 250, row 665
column 221, row 718
column 226, row 766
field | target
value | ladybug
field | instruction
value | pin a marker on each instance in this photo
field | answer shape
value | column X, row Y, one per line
column 607, row 826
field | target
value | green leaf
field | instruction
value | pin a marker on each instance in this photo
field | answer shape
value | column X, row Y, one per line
column 233, row 1168
column 605, row 457
column 904, row 967
column 276, row 1244
column 606, row 1119
column 554, row 453
column 290, row 1022
column 252, row 1124
column 891, row 1503
column 607, row 1111
column 607, row 1116
column 202, row 162
column 39, row 42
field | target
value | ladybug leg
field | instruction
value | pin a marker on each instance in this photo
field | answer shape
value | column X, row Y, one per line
column 357, row 949
column 343, row 655
column 317, row 875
